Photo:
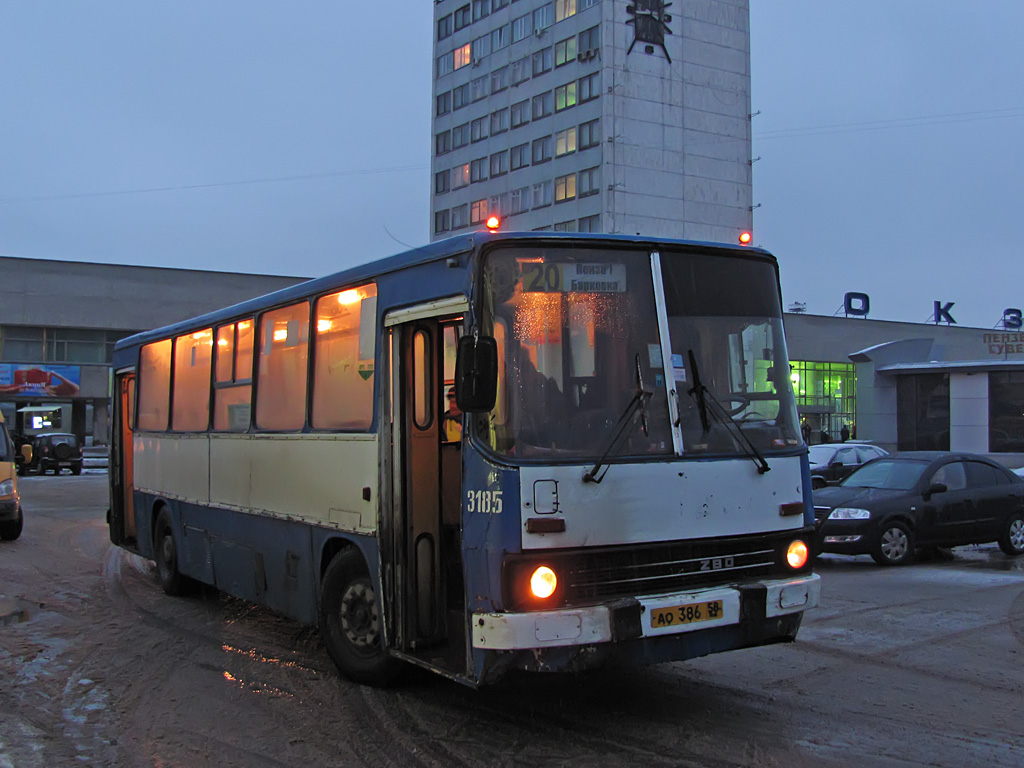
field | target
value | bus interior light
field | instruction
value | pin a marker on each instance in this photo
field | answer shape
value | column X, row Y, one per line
column 543, row 582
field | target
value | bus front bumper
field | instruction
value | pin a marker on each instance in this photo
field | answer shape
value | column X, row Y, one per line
column 645, row 617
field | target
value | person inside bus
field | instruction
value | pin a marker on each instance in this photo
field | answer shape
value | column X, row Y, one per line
column 451, row 421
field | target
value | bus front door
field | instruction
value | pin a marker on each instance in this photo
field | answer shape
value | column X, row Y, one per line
column 122, row 521
column 426, row 482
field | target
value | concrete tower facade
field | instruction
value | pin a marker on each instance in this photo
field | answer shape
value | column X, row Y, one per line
column 593, row 115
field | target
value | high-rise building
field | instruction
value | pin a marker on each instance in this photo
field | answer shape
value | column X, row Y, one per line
column 593, row 116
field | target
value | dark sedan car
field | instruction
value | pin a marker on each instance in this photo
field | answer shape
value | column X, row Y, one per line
column 894, row 504
column 834, row 461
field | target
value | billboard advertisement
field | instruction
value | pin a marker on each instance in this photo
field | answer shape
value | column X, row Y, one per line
column 39, row 380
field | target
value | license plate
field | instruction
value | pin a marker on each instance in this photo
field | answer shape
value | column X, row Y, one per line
column 691, row 613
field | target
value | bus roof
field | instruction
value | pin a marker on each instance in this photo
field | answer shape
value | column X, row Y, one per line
column 436, row 251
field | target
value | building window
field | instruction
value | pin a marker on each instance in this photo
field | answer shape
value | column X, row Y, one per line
column 460, row 136
column 463, row 56
column 564, row 9
column 498, row 205
column 543, row 17
column 498, row 4
column 444, row 27
column 826, row 395
column 565, row 51
column 565, row 226
column 542, row 150
column 584, row 4
column 590, row 134
column 481, row 8
column 444, row 103
column 441, row 182
column 443, row 143
column 282, row 368
column 1006, row 411
column 541, row 194
column 460, row 96
column 463, row 17
column 922, row 412
column 590, row 87
column 477, row 211
column 565, row 96
column 520, row 156
column 543, row 105
column 501, row 37
column 565, row 188
column 460, row 215
column 499, row 79
column 590, row 40
column 478, row 129
column 345, row 331
column 441, row 221
column 565, row 142
column 478, row 88
column 589, row 224
column 445, row 63
column 460, row 176
column 590, row 181
column 519, row 200
column 478, row 170
column 499, row 121
column 520, row 113
column 543, row 61
column 481, row 48
column 499, row 164
column 520, row 70
column 521, row 28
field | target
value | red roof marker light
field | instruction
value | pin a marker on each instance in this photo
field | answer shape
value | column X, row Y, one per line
column 745, row 238
column 492, row 223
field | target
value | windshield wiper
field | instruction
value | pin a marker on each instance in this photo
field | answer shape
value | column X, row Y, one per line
column 638, row 403
column 702, row 394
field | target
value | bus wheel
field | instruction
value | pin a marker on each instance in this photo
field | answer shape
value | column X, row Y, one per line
column 11, row 529
column 165, row 549
column 350, row 622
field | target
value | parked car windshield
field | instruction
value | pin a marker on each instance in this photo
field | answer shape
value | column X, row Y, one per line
column 887, row 474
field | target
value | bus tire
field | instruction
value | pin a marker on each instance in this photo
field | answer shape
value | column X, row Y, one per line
column 350, row 622
column 11, row 529
column 165, row 550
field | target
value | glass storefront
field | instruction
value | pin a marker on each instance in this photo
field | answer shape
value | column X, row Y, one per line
column 826, row 399
column 922, row 412
column 1006, row 411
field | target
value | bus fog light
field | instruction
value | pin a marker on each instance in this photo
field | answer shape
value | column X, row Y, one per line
column 797, row 554
column 543, row 582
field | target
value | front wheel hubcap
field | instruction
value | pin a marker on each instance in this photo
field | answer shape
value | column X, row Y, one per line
column 894, row 544
column 359, row 618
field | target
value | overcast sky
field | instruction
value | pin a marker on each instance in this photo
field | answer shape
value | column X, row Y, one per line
column 294, row 138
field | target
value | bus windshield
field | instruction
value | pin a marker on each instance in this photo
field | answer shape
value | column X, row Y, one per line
column 578, row 332
column 725, row 323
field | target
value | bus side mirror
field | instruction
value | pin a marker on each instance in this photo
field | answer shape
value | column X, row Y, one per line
column 476, row 374
column 26, row 453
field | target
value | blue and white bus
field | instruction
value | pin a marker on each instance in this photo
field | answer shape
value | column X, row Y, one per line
column 621, row 479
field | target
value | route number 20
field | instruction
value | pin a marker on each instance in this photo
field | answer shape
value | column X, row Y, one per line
column 484, row 502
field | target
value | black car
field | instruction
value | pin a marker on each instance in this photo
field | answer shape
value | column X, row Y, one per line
column 897, row 503
column 834, row 461
column 54, row 451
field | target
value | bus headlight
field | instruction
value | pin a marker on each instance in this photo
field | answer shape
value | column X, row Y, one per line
column 7, row 488
column 797, row 554
column 543, row 582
